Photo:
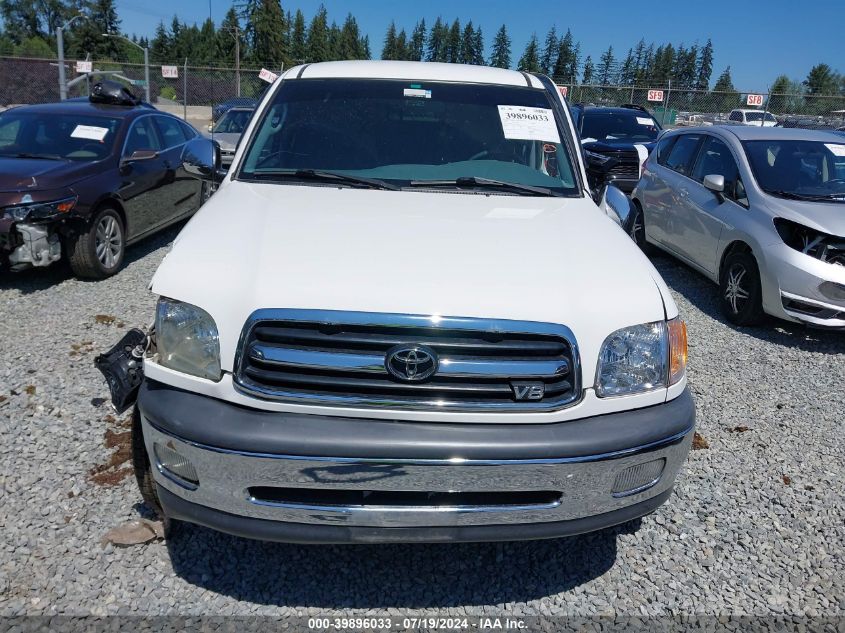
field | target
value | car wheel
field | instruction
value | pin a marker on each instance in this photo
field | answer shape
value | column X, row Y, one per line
column 740, row 289
column 98, row 251
column 142, row 466
column 637, row 230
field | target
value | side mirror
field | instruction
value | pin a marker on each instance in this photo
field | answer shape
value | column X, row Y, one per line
column 210, row 126
column 618, row 207
column 141, row 154
column 716, row 184
column 201, row 159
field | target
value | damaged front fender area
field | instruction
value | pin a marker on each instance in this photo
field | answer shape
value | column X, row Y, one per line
column 123, row 368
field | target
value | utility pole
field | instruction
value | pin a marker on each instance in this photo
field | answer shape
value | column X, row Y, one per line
column 60, row 44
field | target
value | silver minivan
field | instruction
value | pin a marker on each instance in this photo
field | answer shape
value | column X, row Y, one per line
column 760, row 211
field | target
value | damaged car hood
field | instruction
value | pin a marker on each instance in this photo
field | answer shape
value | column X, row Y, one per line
column 29, row 174
column 557, row 260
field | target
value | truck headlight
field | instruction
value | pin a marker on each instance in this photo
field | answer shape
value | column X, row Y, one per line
column 642, row 358
column 187, row 339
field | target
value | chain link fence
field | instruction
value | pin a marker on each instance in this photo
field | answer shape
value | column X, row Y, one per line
column 194, row 90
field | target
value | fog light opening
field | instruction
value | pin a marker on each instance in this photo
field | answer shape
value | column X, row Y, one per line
column 638, row 478
column 175, row 466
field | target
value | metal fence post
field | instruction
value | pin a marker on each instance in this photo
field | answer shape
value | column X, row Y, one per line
column 60, row 43
column 185, row 90
column 766, row 107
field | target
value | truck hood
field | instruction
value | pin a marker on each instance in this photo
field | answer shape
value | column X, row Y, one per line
column 557, row 260
column 29, row 174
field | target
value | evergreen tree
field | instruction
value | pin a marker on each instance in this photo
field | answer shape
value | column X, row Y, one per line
column 501, row 55
column 530, row 60
column 265, row 31
column 365, row 48
column 317, row 46
column 453, row 43
column 161, row 46
column 785, row 95
column 230, row 28
column 350, row 40
column 705, row 67
column 575, row 62
column 821, row 80
column 627, row 74
column 437, row 42
column 589, row 69
column 298, row 43
column 563, row 63
column 388, row 51
column 334, row 41
column 478, row 48
column 416, row 48
column 606, row 62
column 88, row 37
column 467, row 50
column 727, row 98
column 550, row 52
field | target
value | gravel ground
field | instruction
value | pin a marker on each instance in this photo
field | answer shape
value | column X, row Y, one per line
column 755, row 527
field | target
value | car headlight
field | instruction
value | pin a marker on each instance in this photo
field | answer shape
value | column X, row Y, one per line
column 40, row 210
column 642, row 358
column 187, row 339
column 827, row 248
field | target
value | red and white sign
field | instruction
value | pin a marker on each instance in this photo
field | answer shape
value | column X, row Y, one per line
column 170, row 72
column 563, row 90
column 84, row 67
column 755, row 100
column 655, row 95
column 267, row 76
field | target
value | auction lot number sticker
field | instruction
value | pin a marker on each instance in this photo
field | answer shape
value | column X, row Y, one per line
column 528, row 124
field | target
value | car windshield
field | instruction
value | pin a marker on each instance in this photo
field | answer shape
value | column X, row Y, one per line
column 412, row 134
column 619, row 126
column 233, row 122
column 56, row 136
column 758, row 116
column 811, row 170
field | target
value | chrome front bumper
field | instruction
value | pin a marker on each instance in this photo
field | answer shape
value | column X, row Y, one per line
column 585, row 484
column 328, row 479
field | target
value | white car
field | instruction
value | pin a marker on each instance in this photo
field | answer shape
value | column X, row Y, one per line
column 756, row 118
column 403, row 317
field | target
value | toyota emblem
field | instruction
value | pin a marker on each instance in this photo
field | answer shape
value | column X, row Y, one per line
column 411, row 363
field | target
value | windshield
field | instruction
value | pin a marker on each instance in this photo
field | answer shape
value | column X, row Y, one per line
column 233, row 122
column 57, row 136
column 405, row 133
column 618, row 126
column 758, row 116
column 803, row 169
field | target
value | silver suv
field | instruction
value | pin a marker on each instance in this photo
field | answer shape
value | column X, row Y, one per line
column 760, row 211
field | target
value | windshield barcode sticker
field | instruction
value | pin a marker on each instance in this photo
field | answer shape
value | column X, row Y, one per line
column 528, row 124
column 418, row 92
column 645, row 121
column 91, row 132
column 838, row 150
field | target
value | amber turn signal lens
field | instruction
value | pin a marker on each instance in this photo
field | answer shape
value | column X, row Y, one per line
column 66, row 205
column 677, row 350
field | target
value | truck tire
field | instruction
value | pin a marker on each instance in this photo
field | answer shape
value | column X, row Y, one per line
column 98, row 251
column 740, row 292
column 142, row 466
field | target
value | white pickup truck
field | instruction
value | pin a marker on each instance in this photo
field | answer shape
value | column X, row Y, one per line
column 405, row 315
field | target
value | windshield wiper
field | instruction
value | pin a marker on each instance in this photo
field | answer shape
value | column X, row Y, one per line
column 318, row 174
column 38, row 156
column 475, row 181
column 791, row 195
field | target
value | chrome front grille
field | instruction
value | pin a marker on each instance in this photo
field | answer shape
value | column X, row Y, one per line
column 340, row 358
